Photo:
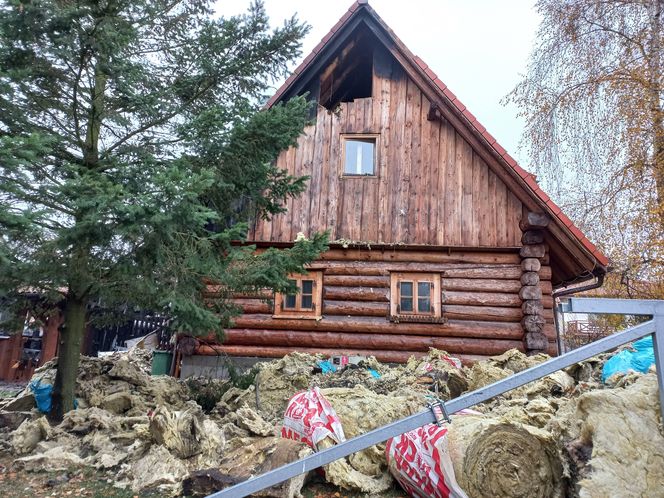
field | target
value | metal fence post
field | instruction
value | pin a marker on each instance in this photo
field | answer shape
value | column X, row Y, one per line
column 658, row 348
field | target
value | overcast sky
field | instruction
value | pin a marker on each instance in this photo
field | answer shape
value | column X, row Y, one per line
column 478, row 48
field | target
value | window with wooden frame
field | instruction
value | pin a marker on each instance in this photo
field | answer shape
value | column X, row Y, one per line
column 360, row 155
column 306, row 303
column 415, row 297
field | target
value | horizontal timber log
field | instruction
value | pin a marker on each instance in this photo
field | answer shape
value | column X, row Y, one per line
column 549, row 330
column 508, row 272
column 254, row 306
column 480, row 285
column 378, row 294
column 534, row 221
column 458, row 270
column 356, row 308
column 484, row 313
column 481, row 298
column 453, row 328
column 381, row 309
column 421, row 257
column 278, row 352
column 357, row 280
column 341, row 340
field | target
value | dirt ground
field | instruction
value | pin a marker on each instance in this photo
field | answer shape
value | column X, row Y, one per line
column 89, row 483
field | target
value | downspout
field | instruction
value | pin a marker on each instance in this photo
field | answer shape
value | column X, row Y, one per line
column 599, row 280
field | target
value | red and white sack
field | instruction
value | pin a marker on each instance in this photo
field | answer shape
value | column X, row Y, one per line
column 310, row 418
column 419, row 460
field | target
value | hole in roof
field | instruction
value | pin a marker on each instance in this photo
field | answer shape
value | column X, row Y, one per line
column 349, row 74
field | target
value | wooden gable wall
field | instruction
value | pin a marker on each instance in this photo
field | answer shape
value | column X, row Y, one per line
column 431, row 188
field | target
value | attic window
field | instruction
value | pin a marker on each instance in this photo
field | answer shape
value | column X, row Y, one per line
column 359, row 155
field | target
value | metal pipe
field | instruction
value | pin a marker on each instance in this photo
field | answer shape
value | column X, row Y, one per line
column 599, row 281
column 658, row 350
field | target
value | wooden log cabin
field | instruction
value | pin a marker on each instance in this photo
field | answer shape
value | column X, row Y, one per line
column 440, row 238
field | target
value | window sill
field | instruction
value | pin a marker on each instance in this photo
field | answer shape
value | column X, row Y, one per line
column 355, row 177
column 297, row 316
column 417, row 319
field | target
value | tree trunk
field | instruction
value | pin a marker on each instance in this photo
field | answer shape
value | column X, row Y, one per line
column 68, row 357
column 655, row 92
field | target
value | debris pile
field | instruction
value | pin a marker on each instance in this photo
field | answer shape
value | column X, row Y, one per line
column 567, row 434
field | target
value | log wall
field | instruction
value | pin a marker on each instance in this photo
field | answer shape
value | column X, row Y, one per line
column 480, row 302
column 538, row 322
column 430, row 187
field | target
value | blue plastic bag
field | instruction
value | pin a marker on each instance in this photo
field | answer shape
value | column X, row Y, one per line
column 326, row 366
column 42, row 394
column 637, row 361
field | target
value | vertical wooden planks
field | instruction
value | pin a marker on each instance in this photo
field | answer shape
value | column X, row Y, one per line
column 466, row 177
column 304, row 167
column 345, row 190
column 382, row 78
column 424, row 188
column 430, row 187
column 316, row 174
column 513, row 218
column 476, row 201
column 369, row 226
column 398, row 118
column 501, row 213
column 334, row 188
column 453, row 190
column 416, row 191
column 484, row 209
column 493, row 216
column 404, row 156
column 443, row 145
column 327, row 171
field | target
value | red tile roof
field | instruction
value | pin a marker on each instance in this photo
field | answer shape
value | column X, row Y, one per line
column 425, row 70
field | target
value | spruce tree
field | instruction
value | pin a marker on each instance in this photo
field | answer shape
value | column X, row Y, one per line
column 133, row 155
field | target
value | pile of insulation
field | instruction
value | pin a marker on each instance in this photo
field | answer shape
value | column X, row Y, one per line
column 564, row 435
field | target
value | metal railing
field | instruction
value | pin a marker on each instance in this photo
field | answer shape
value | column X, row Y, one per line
column 654, row 327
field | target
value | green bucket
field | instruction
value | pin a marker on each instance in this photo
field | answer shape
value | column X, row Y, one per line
column 161, row 362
